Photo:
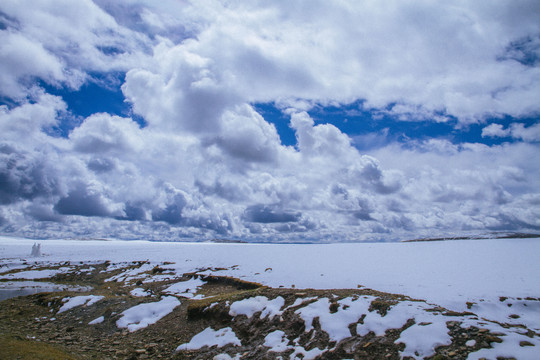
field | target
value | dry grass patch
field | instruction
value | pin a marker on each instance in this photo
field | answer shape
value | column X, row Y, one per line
column 16, row 348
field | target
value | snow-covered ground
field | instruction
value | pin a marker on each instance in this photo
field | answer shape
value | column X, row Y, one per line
column 448, row 273
column 498, row 280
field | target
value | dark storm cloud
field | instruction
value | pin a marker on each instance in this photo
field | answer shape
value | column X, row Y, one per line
column 526, row 51
column 303, row 225
column 373, row 175
column 362, row 215
column 172, row 212
column 133, row 212
column 7, row 21
column 267, row 214
column 221, row 226
column 101, row 165
column 80, row 201
column 22, row 177
column 511, row 222
column 225, row 190
column 245, row 148
column 42, row 212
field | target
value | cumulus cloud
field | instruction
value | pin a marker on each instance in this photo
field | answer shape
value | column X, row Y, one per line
column 516, row 130
column 430, row 58
column 23, row 59
column 61, row 43
column 206, row 164
column 23, row 177
column 102, row 133
column 269, row 214
column 84, row 201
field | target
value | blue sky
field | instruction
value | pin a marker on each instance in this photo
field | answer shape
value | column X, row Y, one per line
column 104, row 95
column 303, row 121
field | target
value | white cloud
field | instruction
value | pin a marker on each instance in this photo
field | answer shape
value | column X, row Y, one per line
column 209, row 165
column 515, row 130
column 531, row 133
column 102, row 133
column 494, row 130
column 21, row 59
column 439, row 57
column 61, row 41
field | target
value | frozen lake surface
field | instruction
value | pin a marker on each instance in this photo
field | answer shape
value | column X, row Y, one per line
column 11, row 289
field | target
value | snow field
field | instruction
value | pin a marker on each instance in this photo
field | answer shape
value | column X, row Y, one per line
column 421, row 339
column 497, row 280
column 447, row 273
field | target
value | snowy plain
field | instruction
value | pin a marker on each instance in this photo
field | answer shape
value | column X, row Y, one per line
column 448, row 273
column 460, row 275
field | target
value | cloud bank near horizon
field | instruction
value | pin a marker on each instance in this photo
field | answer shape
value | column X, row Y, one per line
column 191, row 157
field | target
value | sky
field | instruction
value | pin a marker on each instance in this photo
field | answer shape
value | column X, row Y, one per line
column 282, row 121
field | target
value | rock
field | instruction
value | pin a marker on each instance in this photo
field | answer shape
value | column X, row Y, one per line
column 525, row 343
column 491, row 338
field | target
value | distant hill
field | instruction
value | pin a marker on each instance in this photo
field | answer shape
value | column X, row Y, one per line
column 482, row 236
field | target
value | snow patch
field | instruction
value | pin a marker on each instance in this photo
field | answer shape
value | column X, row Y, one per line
column 251, row 306
column 395, row 318
column 131, row 274
column 277, row 341
column 140, row 292
column 99, row 320
column 511, row 347
column 226, row 357
column 186, row 289
column 349, row 310
column 70, row 303
column 142, row 315
column 211, row 337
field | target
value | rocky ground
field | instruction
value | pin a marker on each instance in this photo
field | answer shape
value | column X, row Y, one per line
column 32, row 327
